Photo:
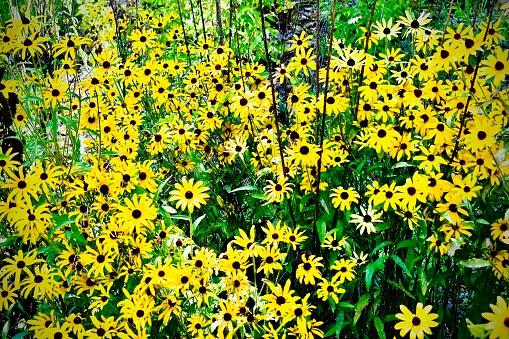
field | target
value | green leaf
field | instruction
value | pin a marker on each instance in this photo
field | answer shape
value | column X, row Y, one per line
column 337, row 327
column 197, row 222
column 160, row 188
column 361, row 304
column 478, row 331
column 21, row 335
column 407, row 243
column 321, row 228
column 423, row 281
column 370, row 270
column 402, row 164
column 345, row 304
column 400, row 287
column 475, row 263
column 243, row 188
column 169, row 209
column 8, row 241
column 382, row 245
column 401, row 264
column 180, row 217
column 379, row 325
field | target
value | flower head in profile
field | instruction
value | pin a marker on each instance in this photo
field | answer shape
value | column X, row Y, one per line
column 417, row 324
column 189, row 194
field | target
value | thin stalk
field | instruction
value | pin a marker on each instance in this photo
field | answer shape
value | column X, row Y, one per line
column 464, row 115
column 202, row 22
column 447, row 22
column 361, row 78
column 219, row 21
column 185, row 35
column 274, row 105
column 196, row 32
column 320, row 130
column 317, row 25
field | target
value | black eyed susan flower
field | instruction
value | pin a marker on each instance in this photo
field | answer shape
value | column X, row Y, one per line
column 496, row 66
column 18, row 264
column 197, row 325
column 280, row 298
column 74, row 322
column 303, row 61
column 386, row 29
column 438, row 245
column 67, row 46
column 417, row 324
column 42, row 321
column 31, row 44
column 274, row 233
column 104, row 327
column 236, row 283
column 498, row 323
column 493, row 30
column 8, row 163
column 455, row 231
column 359, row 259
column 333, row 243
column 300, row 42
column 308, row 270
column 247, row 243
column 271, row 256
column 499, row 228
column 7, row 295
column 142, row 40
column 343, row 198
column 294, row 237
column 40, row 283
column 99, row 260
column 410, row 216
column 23, row 186
column 328, row 289
column 304, row 153
column 345, row 270
column 412, row 191
column 366, row 220
column 445, row 57
column 430, row 159
column 276, row 191
column 138, row 213
column 414, row 26
column 189, row 194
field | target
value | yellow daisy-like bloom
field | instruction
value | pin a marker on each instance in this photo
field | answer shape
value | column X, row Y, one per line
column 302, row 61
column 417, row 324
column 300, row 42
column 482, row 133
column 345, row 270
column 343, row 198
column 276, row 191
column 308, row 270
column 499, row 319
column 139, row 212
column 189, row 194
column 328, row 289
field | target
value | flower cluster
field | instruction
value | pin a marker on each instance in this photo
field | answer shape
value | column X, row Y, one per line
column 166, row 185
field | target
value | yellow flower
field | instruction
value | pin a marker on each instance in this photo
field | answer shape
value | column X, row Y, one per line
column 499, row 319
column 189, row 194
column 276, row 191
column 308, row 270
column 343, row 198
column 417, row 324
